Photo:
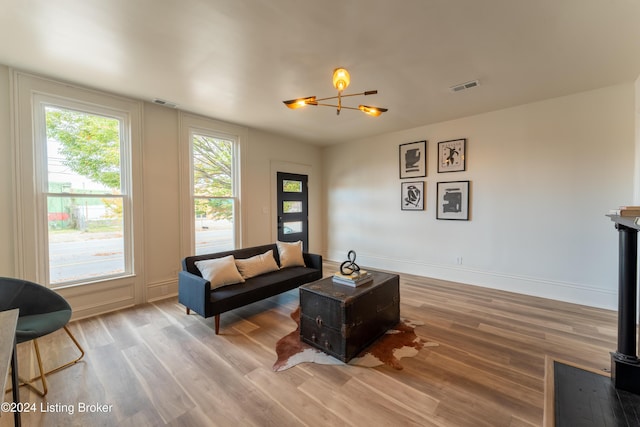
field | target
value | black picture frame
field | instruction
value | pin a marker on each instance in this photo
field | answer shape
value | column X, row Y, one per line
column 413, row 159
column 412, row 196
column 452, row 155
column 453, row 200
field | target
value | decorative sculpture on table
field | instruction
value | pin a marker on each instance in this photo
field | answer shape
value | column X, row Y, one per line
column 350, row 267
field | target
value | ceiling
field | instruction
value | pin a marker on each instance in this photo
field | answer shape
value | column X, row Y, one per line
column 237, row 60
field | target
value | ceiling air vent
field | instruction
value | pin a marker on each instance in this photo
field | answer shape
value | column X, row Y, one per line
column 463, row 86
column 164, row 103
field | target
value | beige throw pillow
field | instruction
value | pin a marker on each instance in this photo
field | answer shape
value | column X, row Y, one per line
column 220, row 271
column 256, row 265
column 290, row 254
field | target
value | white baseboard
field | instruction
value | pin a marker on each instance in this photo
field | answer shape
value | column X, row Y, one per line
column 557, row 290
column 163, row 289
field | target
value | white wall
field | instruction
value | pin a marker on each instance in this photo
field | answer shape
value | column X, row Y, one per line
column 636, row 179
column 542, row 175
column 161, row 200
column 7, row 262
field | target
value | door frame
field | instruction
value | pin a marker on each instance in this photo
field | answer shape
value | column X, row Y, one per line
column 288, row 167
column 286, row 217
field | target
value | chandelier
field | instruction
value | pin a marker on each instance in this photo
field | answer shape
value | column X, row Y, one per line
column 341, row 80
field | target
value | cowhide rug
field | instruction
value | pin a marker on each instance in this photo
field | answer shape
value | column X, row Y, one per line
column 387, row 350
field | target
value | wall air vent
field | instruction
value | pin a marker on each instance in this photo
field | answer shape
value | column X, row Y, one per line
column 463, row 86
column 164, row 103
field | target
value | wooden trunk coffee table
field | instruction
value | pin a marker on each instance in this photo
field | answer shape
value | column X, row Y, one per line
column 342, row 320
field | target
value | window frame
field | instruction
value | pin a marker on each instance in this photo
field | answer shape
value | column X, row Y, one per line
column 40, row 104
column 190, row 124
column 193, row 131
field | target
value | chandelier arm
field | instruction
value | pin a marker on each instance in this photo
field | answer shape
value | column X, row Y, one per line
column 369, row 92
column 325, row 99
column 335, row 106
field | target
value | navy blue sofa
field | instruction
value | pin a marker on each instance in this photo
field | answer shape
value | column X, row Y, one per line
column 195, row 293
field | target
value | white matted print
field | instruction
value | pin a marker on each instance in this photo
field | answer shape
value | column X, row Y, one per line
column 452, row 155
column 453, row 200
column 413, row 159
column 412, row 196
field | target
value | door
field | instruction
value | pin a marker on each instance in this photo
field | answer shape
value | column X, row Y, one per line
column 293, row 201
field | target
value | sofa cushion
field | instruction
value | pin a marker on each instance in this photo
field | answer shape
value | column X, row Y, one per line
column 290, row 254
column 220, row 271
column 260, row 287
column 257, row 265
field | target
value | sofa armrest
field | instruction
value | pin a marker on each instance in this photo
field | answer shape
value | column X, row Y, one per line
column 313, row 260
column 194, row 292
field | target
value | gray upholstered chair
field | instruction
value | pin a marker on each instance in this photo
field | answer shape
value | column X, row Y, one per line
column 42, row 311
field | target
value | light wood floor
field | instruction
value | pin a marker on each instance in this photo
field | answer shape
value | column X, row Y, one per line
column 157, row 366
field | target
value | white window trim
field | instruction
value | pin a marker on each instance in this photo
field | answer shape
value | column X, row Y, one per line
column 191, row 124
column 30, row 265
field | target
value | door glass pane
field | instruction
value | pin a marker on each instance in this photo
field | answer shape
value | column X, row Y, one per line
column 86, row 238
column 214, row 225
column 290, row 186
column 291, row 207
column 292, row 227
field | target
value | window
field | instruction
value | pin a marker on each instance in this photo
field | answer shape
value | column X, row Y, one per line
column 78, row 193
column 213, row 191
column 84, row 192
column 210, row 184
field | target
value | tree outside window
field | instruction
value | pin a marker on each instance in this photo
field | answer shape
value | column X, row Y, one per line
column 85, row 203
column 213, row 193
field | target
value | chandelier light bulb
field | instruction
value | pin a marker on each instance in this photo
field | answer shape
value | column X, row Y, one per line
column 372, row 111
column 341, row 79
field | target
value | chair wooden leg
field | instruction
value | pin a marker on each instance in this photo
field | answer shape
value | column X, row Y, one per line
column 188, row 310
column 217, row 323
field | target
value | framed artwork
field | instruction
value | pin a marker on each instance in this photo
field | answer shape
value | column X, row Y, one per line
column 452, row 155
column 453, row 200
column 412, row 196
column 413, row 159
